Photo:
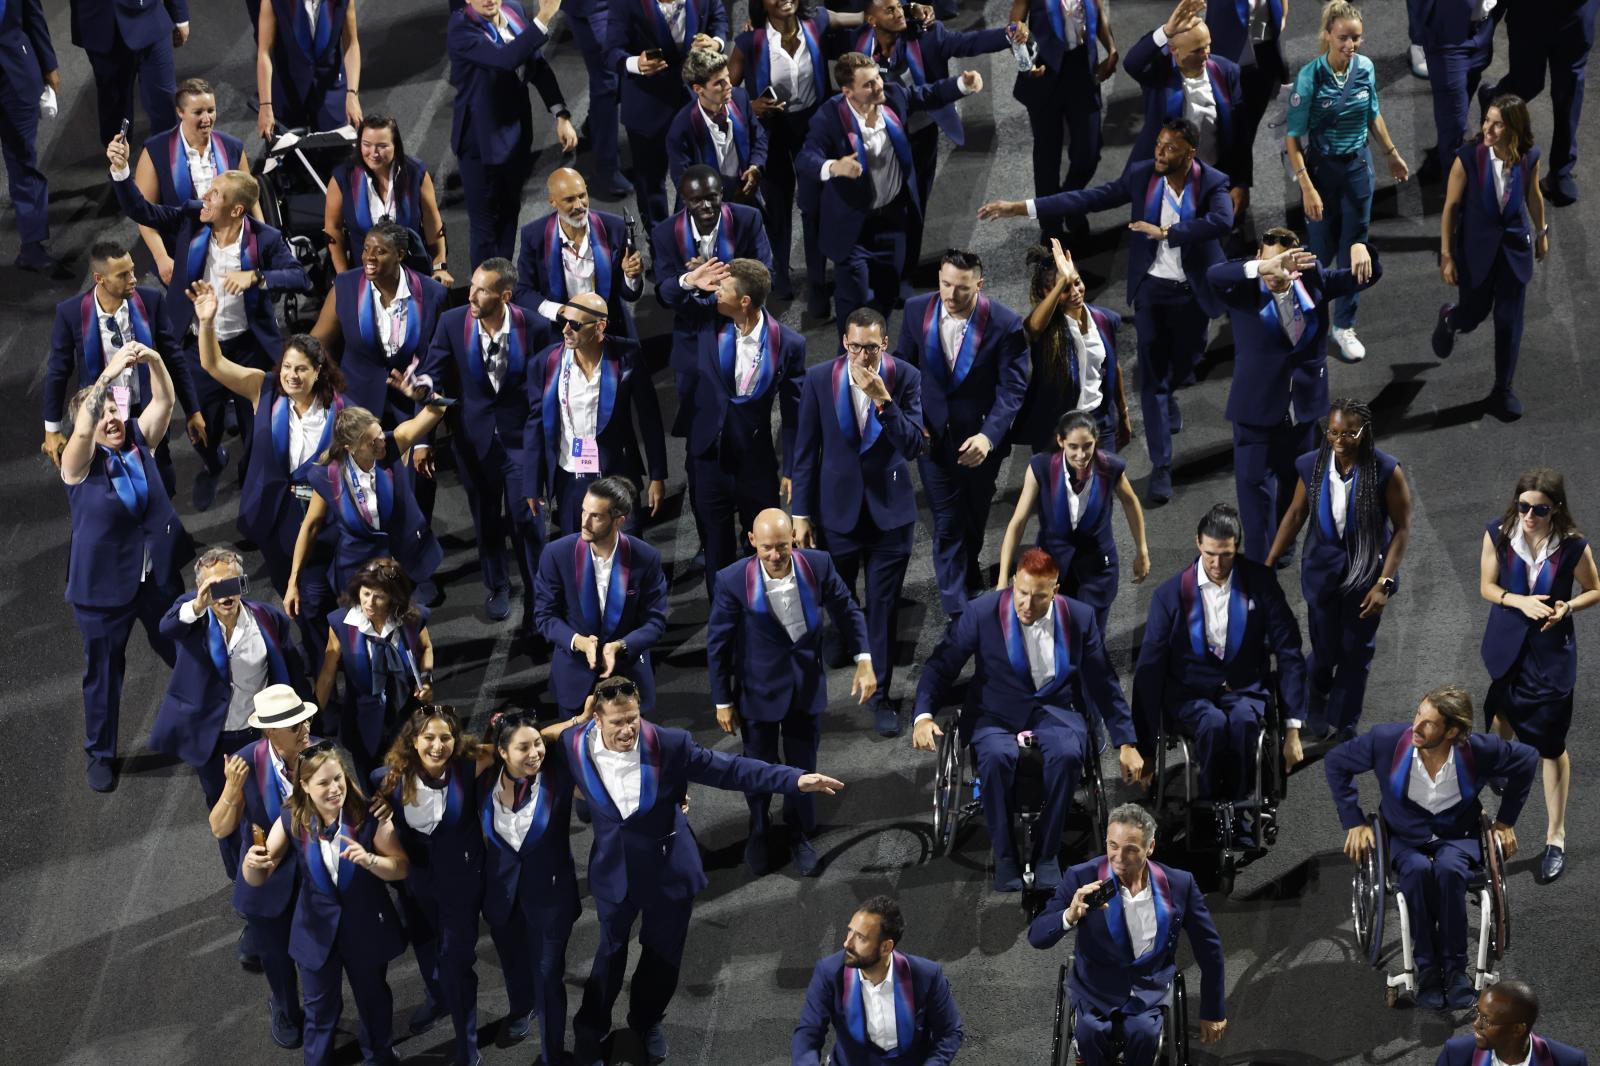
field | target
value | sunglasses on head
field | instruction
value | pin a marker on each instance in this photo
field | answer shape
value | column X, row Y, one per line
column 1540, row 510
column 620, row 689
column 319, row 748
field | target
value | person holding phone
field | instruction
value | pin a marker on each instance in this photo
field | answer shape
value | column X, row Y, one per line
column 378, row 639
column 576, row 249
column 127, row 541
column 228, row 649
column 345, row 924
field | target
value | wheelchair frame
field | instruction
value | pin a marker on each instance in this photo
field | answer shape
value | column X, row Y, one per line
column 1271, row 786
column 1171, row 1050
column 1369, row 895
column 951, row 811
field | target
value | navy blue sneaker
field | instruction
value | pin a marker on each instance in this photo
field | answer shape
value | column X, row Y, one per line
column 885, row 718
column 498, row 604
column 285, row 1027
column 102, row 778
column 1007, row 877
column 804, row 856
column 518, row 1026
column 426, row 1016
column 1159, row 489
column 654, row 1040
column 1430, row 990
column 1459, row 993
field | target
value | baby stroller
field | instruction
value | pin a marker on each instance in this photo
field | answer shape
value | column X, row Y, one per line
column 293, row 170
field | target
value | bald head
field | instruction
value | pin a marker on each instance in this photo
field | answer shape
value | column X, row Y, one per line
column 591, row 302
column 582, row 320
column 569, row 195
column 1191, row 48
column 772, row 536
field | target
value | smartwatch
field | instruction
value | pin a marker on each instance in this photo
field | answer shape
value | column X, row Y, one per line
column 1389, row 585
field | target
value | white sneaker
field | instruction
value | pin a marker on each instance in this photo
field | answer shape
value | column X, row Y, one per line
column 1419, row 62
column 1351, row 350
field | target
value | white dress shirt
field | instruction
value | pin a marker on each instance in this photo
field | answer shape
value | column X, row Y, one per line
column 619, row 773
column 952, row 331
column 427, row 808
column 1339, row 499
column 878, row 999
column 860, row 402
column 792, row 72
column 221, row 261
column 1484, row 9
column 330, row 850
column 1090, row 352
column 673, row 11
column 1075, row 499
column 305, row 432
column 1214, row 599
column 281, row 772
column 747, row 355
column 1260, row 28
column 602, row 573
column 1073, row 22
column 382, row 206
column 579, row 398
column 577, row 265
column 1039, row 638
column 495, row 365
column 512, row 826
column 882, row 164
column 1536, row 563
column 1200, row 107
column 1497, row 167
column 123, row 319
column 392, row 319
column 247, row 663
column 355, row 616
column 1168, row 261
column 311, row 7
column 722, row 142
column 201, row 169
column 1139, row 910
column 1434, row 794
column 366, row 484
column 1496, row 1060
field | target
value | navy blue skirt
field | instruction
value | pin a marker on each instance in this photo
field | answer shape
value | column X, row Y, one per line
column 1539, row 717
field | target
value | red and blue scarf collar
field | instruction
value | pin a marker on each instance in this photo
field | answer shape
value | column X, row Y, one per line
column 311, row 855
column 761, row 67
column 516, row 347
column 1325, row 517
column 367, row 314
column 603, row 625
column 555, row 272
column 1058, row 23
column 515, row 23
column 406, row 213
column 1302, row 297
column 1155, row 190
column 128, row 477
column 358, row 650
column 891, row 125
column 1219, row 93
column 178, row 163
column 314, row 40
column 805, row 582
column 589, row 775
column 845, row 410
column 1516, row 180
column 89, row 315
column 725, row 235
column 281, row 410
column 1017, row 652
column 217, row 644
column 266, row 775
column 907, row 49
column 1405, row 754
column 852, row 1003
column 1096, row 497
column 1195, row 612
column 1117, row 920
column 556, row 366
column 200, row 246
column 971, row 342
column 727, row 358
column 1514, row 571
column 543, row 802
column 1541, row 1053
column 344, row 502
column 663, row 30
column 737, row 125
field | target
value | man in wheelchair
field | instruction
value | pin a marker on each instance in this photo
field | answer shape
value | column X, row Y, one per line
column 1127, row 945
column 1209, row 643
column 1429, row 776
column 1035, row 650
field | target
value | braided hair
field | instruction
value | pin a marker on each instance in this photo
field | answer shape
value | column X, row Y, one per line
column 1366, row 559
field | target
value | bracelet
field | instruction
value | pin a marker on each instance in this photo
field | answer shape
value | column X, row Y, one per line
column 1503, row 594
column 1392, row 150
column 264, row 103
column 1298, row 173
column 352, row 92
column 228, row 801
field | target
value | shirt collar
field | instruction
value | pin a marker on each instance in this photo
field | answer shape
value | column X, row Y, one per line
column 402, row 291
column 888, row 977
column 356, row 617
column 694, row 227
column 1205, row 580
column 1445, row 768
column 1519, row 544
column 505, row 325
column 861, row 118
column 755, row 331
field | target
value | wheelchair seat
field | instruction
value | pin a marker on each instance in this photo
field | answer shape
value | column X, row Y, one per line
column 1172, row 1049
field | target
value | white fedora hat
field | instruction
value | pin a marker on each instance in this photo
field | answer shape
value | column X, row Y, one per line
column 279, row 707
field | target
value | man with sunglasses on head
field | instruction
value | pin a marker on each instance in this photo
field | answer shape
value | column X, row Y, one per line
column 644, row 861
column 579, row 427
column 1279, row 304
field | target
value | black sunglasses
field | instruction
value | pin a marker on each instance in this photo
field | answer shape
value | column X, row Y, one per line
column 1540, row 510
column 620, row 689
column 319, row 747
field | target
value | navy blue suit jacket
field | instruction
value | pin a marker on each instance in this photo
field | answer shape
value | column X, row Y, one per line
column 1003, row 689
column 652, row 854
column 1447, row 22
column 490, row 118
column 70, row 356
column 26, row 53
column 648, row 104
column 540, row 875
column 1267, row 369
column 1105, row 975
column 353, row 915
column 672, row 245
column 847, row 202
column 1459, row 1051
column 487, row 420
column 1486, row 228
column 263, row 802
column 932, row 48
column 710, row 411
column 559, row 613
column 688, row 141
column 446, row 866
column 935, row 1022
column 836, row 479
column 195, row 709
column 1230, row 36
column 1171, row 670
column 1154, row 70
column 1386, row 750
column 97, row 25
column 1052, row 52
column 991, row 391
column 752, row 661
column 540, row 277
column 365, row 361
column 1198, row 239
column 272, row 257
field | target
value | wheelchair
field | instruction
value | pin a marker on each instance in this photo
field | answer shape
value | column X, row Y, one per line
column 1214, row 821
column 1171, row 1050
column 957, row 791
column 1374, row 885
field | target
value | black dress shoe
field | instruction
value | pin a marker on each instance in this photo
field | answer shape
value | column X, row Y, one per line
column 1504, row 405
column 1551, row 865
column 1563, row 192
column 1430, row 990
column 36, row 258
column 1444, row 338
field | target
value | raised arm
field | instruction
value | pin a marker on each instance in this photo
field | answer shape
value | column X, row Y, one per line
column 241, row 380
column 157, row 413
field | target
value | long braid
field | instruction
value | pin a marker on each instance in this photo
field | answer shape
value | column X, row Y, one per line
column 1319, row 478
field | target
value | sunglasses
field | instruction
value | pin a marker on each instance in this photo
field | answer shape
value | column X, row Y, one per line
column 620, row 689
column 1540, row 510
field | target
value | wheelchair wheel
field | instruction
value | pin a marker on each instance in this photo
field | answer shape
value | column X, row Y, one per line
column 947, row 791
column 1494, row 866
column 1369, row 892
column 1061, row 1040
column 1178, row 1051
column 1227, row 873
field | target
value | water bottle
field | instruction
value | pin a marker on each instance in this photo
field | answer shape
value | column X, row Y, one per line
column 1022, row 52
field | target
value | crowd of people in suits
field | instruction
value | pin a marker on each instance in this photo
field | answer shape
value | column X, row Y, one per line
column 798, row 475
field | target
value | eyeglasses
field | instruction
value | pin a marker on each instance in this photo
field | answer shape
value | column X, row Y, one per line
column 1540, row 510
column 1346, row 434
column 621, row 688
column 862, row 349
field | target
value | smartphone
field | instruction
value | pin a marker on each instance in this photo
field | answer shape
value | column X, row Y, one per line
column 770, row 92
column 230, row 587
column 258, row 836
column 654, row 55
column 123, row 132
column 1102, row 895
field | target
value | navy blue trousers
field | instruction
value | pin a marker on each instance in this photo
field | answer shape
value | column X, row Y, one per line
column 494, row 195
column 533, row 956
column 800, row 735
column 870, row 275
column 1454, row 72
column 1342, row 647
column 958, row 505
column 723, row 487
column 500, row 514
column 105, row 632
column 662, row 933
column 650, row 168
column 1073, row 125
column 444, row 938
column 1345, row 184
column 884, row 556
column 1264, row 478
column 324, row 999
column 1224, row 731
column 1538, row 38
column 1172, row 336
column 589, row 29
column 786, row 135
column 19, row 128
column 114, row 74
column 1434, row 880
column 269, row 937
column 1503, row 296
column 1063, row 739
column 1141, row 1035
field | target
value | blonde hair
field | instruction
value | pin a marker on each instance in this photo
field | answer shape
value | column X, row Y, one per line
column 240, row 188
column 1334, row 10
column 348, row 428
column 303, row 811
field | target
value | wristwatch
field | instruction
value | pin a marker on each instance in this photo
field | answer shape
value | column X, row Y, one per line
column 1389, row 585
